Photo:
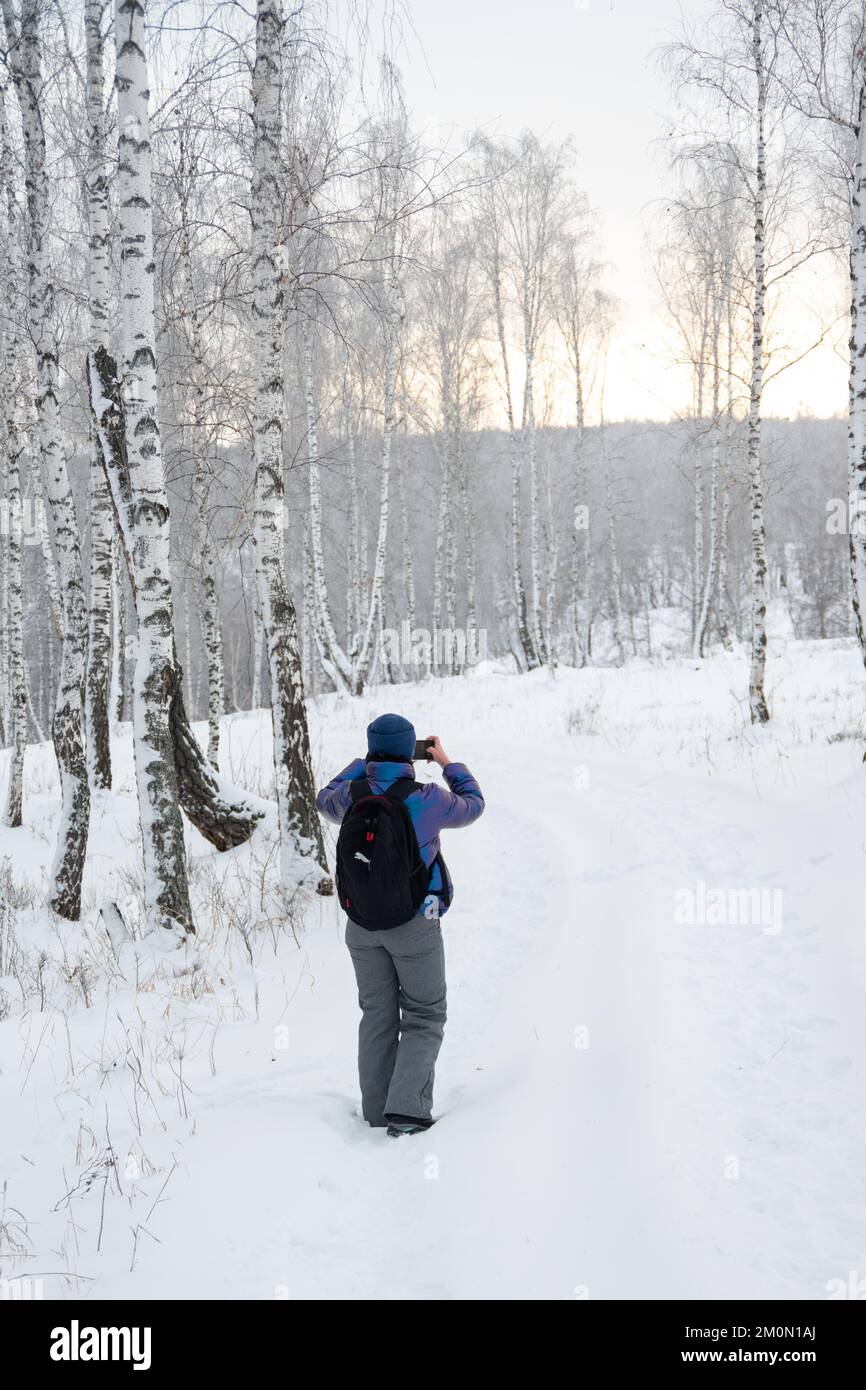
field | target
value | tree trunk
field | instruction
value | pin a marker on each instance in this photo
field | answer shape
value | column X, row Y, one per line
column 377, row 589
column 96, row 706
column 857, row 385
column 354, row 558
column 118, row 625
column 156, row 686
column 14, row 626
column 52, row 580
column 709, row 587
column 525, row 647
column 579, row 576
column 97, row 694
column 300, row 827
column 757, row 700
column 552, row 547
column 12, row 614
column 210, row 624
column 615, row 574
column 338, row 666
column 218, row 811
column 408, row 563
column 68, row 727
column 535, row 621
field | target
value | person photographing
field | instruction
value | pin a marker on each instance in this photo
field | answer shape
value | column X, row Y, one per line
column 394, row 887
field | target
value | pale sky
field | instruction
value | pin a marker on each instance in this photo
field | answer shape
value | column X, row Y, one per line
column 585, row 68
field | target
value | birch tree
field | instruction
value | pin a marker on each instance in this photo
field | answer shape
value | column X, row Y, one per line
column 857, row 378
column 493, row 262
column 391, row 154
column 735, row 58
column 699, row 271
column 155, row 679
column 580, row 309
column 528, row 201
column 99, row 278
column 192, row 318
column 300, row 828
column 172, row 773
column 23, row 39
column 760, row 714
column 12, row 613
column 826, row 81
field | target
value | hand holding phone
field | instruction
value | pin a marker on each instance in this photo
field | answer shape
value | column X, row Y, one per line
column 436, row 752
column 422, row 752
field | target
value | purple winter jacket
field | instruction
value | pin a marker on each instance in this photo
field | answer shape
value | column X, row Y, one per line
column 431, row 808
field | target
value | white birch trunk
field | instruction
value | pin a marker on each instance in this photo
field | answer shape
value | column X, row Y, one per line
column 258, row 645
column 377, row 589
column 579, row 576
column 300, row 828
column 68, row 726
column 16, row 710
column 757, row 701
column 440, row 560
column 210, row 624
column 96, row 705
column 166, row 886
column 118, row 629
column 354, row 600
column 525, row 647
column 468, row 511
column 698, row 556
column 857, row 383
column 37, row 491
column 352, row 671
column 12, row 615
column 535, row 614
column 615, row 573
column 408, row 563
column 337, row 661
column 548, row 634
column 709, row 587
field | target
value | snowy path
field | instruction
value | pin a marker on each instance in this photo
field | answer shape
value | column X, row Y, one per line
column 629, row 1106
column 571, row 1163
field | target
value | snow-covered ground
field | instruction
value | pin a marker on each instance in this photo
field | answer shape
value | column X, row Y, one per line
column 635, row 1100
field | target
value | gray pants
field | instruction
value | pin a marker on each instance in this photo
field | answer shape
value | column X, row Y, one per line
column 401, row 991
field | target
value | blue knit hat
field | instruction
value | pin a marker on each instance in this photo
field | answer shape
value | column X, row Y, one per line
column 391, row 734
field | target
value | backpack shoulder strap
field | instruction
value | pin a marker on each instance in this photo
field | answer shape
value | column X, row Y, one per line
column 403, row 787
column 358, row 788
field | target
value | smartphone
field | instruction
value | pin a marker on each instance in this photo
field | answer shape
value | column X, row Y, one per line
column 421, row 754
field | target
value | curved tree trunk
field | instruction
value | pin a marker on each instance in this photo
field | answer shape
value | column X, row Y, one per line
column 220, row 813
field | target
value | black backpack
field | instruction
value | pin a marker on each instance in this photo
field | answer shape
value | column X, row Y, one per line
column 381, row 878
